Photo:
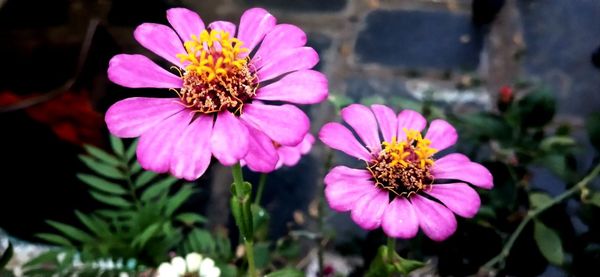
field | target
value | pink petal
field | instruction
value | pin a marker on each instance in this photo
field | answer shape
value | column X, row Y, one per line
column 262, row 156
column 400, row 219
column 455, row 167
column 281, row 37
column 155, row 147
column 437, row 222
column 161, row 40
column 185, row 22
column 286, row 61
column 223, row 26
column 343, row 194
column 254, row 24
column 388, row 123
column 192, row 155
column 368, row 210
column 132, row 117
column 229, row 141
column 137, row 71
column 458, row 197
column 451, row 159
column 441, row 134
column 288, row 155
column 306, row 143
column 362, row 120
column 300, row 87
column 346, row 174
column 338, row 137
column 285, row 124
column 410, row 120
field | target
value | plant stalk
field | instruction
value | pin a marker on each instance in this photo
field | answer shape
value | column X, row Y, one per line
column 261, row 188
column 532, row 214
column 238, row 183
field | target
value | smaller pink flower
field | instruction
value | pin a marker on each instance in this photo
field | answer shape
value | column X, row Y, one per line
column 402, row 187
column 270, row 155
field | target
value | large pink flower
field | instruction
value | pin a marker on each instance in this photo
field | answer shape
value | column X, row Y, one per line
column 222, row 86
column 402, row 186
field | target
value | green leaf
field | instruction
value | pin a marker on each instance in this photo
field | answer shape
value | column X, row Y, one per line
column 594, row 199
column 144, row 178
column 156, row 189
column 71, row 231
column 201, row 241
column 537, row 108
column 592, row 126
column 102, row 155
column 227, row 270
column 56, row 239
column 135, row 168
column 111, row 200
column 95, row 224
column 190, row 218
column 146, row 235
column 262, row 254
column 486, row 126
column 286, row 272
column 555, row 143
column 539, row 199
column 382, row 266
column 178, row 199
column 117, row 145
column 339, row 100
column 240, row 208
column 374, row 99
column 101, row 184
column 102, row 168
column 41, row 260
column 131, row 150
column 557, row 163
column 549, row 243
column 6, row 256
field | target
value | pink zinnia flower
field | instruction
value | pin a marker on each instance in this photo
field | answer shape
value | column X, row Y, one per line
column 220, row 78
column 402, row 186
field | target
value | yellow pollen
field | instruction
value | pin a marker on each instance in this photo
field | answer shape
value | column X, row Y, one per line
column 213, row 54
column 401, row 151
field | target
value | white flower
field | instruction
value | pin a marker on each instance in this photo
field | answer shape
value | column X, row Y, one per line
column 194, row 263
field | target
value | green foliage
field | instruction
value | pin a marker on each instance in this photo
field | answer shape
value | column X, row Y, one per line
column 67, row 262
column 141, row 219
column 287, row 272
column 382, row 266
column 549, row 243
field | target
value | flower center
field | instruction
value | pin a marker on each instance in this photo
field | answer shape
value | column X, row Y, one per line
column 216, row 77
column 403, row 167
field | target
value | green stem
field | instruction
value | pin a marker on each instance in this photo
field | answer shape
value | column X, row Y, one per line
column 238, row 183
column 130, row 185
column 250, row 257
column 391, row 245
column 261, row 188
column 532, row 214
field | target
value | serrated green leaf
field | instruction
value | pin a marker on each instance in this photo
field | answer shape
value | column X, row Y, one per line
column 6, row 256
column 286, row 272
column 178, row 199
column 157, row 188
column 111, row 200
column 144, row 178
column 117, row 145
column 101, row 184
column 95, row 224
column 102, row 168
column 146, row 235
column 56, row 239
column 102, row 155
column 190, row 218
column 71, row 231
column 549, row 243
column 131, row 150
column 539, row 199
